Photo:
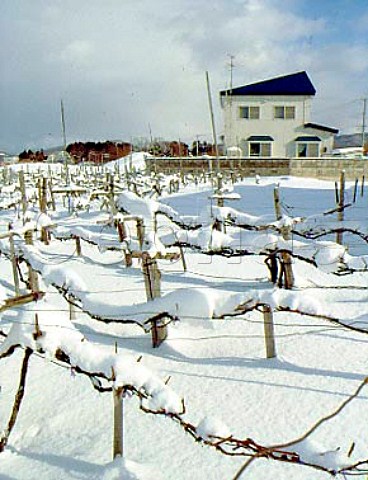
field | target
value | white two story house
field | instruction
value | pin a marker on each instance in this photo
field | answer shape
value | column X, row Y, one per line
column 272, row 119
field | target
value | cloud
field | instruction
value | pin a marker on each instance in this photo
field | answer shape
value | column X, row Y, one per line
column 78, row 51
column 122, row 65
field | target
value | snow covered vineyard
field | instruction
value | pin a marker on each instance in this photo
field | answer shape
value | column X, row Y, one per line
column 181, row 327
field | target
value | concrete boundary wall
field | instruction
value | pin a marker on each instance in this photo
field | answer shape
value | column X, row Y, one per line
column 327, row 168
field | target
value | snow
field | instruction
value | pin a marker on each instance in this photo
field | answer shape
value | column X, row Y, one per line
column 124, row 469
column 214, row 357
column 313, row 452
column 56, row 333
column 212, row 428
column 134, row 160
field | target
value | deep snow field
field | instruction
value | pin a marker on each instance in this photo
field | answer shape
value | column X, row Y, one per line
column 216, row 362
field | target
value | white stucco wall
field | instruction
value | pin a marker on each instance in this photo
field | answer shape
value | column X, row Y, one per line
column 284, row 131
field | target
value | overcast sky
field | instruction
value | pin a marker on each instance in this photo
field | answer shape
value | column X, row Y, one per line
column 124, row 67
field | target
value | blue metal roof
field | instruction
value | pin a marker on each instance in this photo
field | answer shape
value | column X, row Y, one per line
column 292, row 84
column 259, row 138
column 316, row 126
column 308, row 139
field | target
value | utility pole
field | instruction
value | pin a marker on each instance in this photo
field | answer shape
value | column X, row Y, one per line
column 212, row 122
column 363, row 123
column 64, row 140
column 231, row 73
column 150, row 133
column 63, row 124
column 231, row 98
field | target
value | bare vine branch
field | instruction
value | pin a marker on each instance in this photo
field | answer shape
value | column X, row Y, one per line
column 17, row 401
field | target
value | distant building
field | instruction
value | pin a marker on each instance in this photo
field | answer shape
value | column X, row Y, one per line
column 6, row 159
column 178, row 149
column 351, row 145
column 11, row 159
column 272, row 119
column 98, row 152
column 32, row 157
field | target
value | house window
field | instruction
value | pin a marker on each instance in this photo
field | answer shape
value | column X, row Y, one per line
column 307, row 146
column 284, row 112
column 251, row 113
column 258, row 149
column 308, row 150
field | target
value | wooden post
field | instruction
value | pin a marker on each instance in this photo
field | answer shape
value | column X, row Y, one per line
column 285, row 256
column 152, row 277
column 140, row 232
column 336, row 194
column 43, row 194
column 355, row 190
column 152, row 282
column 362, row 187
column 111, row 195
column 13, row 259
column 43, row 208
column 21, row 300
column 121, row 230
column 340, row 213
column 32, row 275
column 128, row 258
column 78, row 246
column 39, row 193
column 159, row 332
column 220, row 200
column 183, row 258
column 52, row 196
column 22, row 187
column 276, row 199
column 269, row 331
column 72, row 311
column 118, row 420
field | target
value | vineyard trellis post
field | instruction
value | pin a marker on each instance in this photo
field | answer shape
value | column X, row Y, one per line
column 14, row 262
column 111, row 194
column 286, row 259
column 118, row 428
column 269, row 331
column 32, row 275
column 43, row 209
column 78, row 246
column 72, row 311
column 362, row 187
column 182, row 256
column 140, row 232
column 355, row 190
column 152, row 276
column 336, row 193
column 220, row 199
column 152, row 282
column 340, row 213
column 22, row 187
column 52, row 196
column 43, row 195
